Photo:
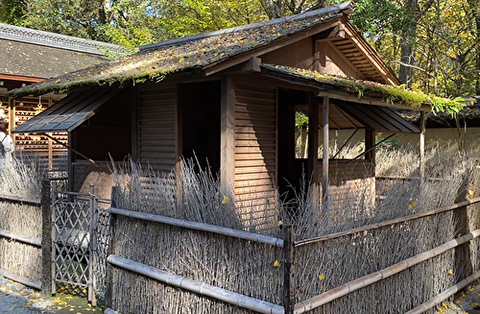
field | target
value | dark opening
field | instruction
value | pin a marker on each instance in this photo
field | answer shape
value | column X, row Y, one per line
column 200, row 107
column 108, row 132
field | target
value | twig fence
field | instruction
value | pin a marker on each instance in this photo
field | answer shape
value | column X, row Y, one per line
column 13, row 242
column 122, row 267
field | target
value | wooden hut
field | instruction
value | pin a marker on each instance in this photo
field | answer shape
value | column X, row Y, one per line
column 231, row 96
column 32, row 56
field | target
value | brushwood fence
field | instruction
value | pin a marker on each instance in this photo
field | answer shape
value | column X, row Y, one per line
column 22, row 228
column 410, row 264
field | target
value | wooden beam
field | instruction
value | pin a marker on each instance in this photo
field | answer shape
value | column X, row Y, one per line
column 251, row 66
column 422, row 146
column 325, row 160
column 21, row 78
column 276, row 44
column 227, row 136
column 366, row 100
column 313, row 138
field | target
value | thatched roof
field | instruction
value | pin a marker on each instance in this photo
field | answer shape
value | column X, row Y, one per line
column 192, row 53
column 390, row 95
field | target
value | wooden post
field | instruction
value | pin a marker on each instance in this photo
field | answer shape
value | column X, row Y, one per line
column 422, row 146
column 325, row 161
column 46, row 241
column 93, row 239
column 313, row 139
column 53, row 216
column 50, row 154
column 227, row 136
column 464, row 264
column 288, row 270
column 111, row 250
column 179, row 144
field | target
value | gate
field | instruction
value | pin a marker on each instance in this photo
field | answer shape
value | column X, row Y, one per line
column 80, row 234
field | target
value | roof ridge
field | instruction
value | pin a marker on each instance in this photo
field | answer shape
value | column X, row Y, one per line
column 49, row 39
column 346, row 7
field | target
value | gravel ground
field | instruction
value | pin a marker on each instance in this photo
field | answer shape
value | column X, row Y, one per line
column 17, row 299
column 27, row 301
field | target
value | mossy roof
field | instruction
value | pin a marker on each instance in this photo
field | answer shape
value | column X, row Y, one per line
column 198, row 52
column 388, row 93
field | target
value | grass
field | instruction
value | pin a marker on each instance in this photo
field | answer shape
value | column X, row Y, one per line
column 22, row 178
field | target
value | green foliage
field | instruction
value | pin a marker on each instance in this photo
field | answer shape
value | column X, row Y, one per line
column 301, row 120
column 12, row 11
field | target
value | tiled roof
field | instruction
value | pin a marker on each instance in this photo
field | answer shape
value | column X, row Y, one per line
column 48, row 39
column 24, row 59
column 192, row 53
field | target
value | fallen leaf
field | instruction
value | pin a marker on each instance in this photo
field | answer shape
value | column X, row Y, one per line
column 276, row 263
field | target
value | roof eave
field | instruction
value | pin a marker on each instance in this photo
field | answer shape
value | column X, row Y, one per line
column 337, row 92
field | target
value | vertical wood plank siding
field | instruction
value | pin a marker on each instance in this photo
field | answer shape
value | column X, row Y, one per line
column 156, row 127
column 351, row 182
column 255, row 151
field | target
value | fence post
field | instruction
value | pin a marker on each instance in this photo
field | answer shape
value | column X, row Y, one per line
column 463, row 254
column 46, row 241
column 92, row 227
column 111, row 250
column 288, row 270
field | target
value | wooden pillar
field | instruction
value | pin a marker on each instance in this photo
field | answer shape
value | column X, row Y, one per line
column 289, row 285
column 179, row 143
column 46, row 241
column 313, row 139
column 227, row 135
column 422, row 146
column 369, row 144
column 325, row 161
column 111, row 249
column 135, row 125
column 11, row 118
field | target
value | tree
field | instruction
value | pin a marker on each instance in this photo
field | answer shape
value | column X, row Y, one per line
column 12, row 11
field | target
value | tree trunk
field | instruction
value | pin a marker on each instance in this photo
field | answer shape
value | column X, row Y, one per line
column 406, row 44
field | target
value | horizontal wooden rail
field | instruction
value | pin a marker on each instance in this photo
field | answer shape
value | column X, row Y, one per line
column 23, row 280
column 392, row 178
column 21, row 200
column 254, row 237
column 370, row 279
column 445, row 294
column 202, row 288
column 21, row 237
column 386, row 223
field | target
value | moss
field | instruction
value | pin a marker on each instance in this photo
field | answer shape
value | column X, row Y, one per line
column 390, row 94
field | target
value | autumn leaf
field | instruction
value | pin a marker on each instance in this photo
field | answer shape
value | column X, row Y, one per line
column 226, row 200
column 322, row 276
column 450, row 271
column 276, row 263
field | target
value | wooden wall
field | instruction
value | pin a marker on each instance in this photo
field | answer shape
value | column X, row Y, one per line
column 157, row 122
column 351, row 181
column 333, row 62
column 299, row 54
column 255, row 150
column 326, row 59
